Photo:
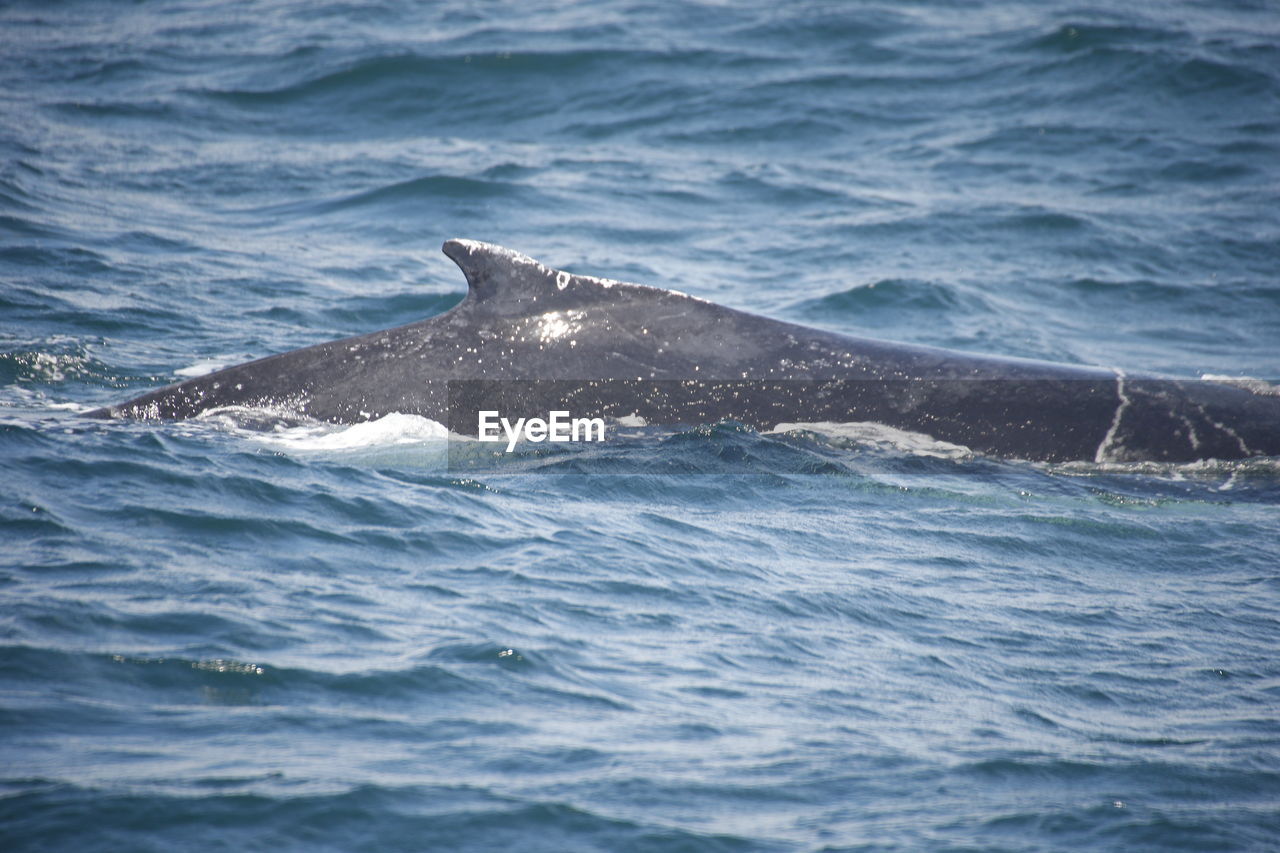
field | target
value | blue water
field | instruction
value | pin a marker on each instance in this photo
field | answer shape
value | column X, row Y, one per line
column 320, row 640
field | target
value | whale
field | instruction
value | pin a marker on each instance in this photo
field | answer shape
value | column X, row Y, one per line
column 528, row 338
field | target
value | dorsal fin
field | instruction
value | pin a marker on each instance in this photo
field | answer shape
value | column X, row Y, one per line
column 494, row 272
column 507, row 282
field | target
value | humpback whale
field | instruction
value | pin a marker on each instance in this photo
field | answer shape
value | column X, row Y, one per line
column 529, row 338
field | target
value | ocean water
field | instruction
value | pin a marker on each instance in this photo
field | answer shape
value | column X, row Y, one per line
column 710, row 639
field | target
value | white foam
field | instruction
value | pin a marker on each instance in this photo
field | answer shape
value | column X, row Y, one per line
column 1257, row 386
column 880, row 436
column 393, row 430
column 201, row 368
column 1199, row 470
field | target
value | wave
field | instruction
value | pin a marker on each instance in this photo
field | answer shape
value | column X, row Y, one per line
column 428, row 191
column 240, row 814
column 917, row 298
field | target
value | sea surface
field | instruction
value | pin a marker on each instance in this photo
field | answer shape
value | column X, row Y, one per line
column 321, row 639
